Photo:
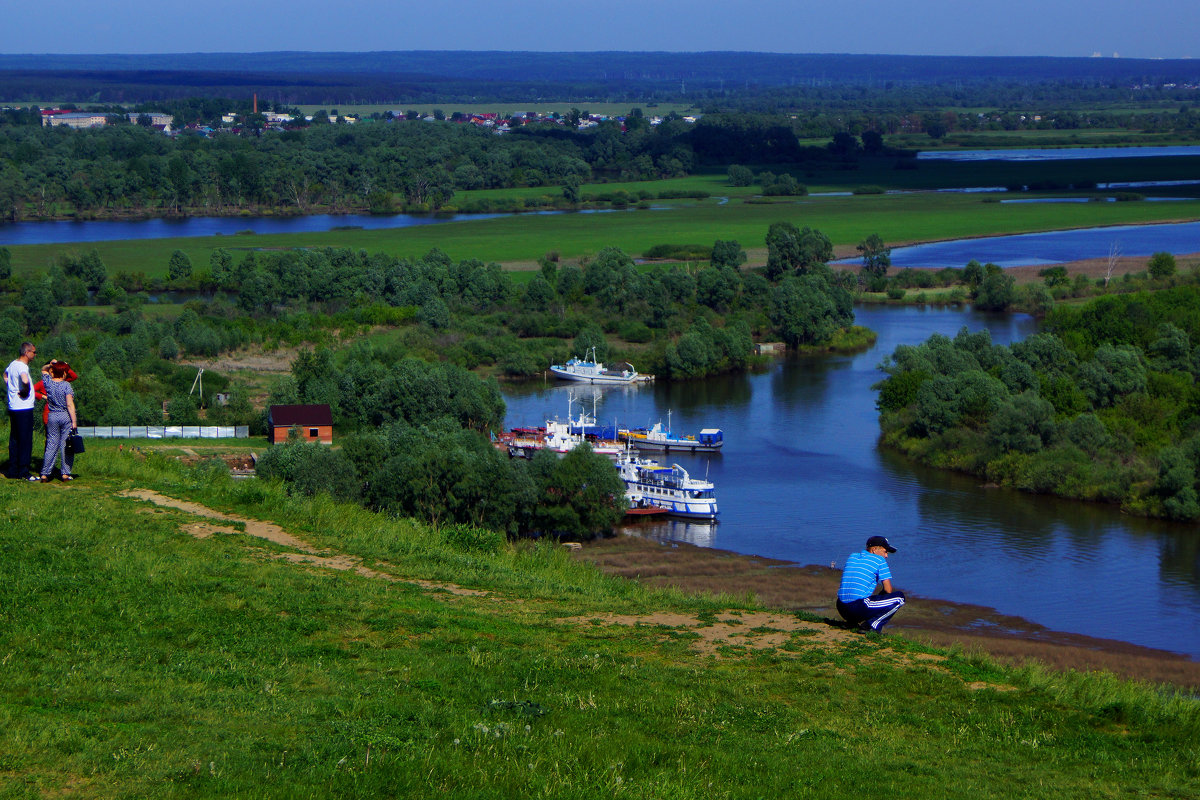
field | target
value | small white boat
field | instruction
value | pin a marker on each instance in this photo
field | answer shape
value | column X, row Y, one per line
column 650, row 484
column 592, row 371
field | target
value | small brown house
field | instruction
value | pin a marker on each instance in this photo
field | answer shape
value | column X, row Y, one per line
column 315, row 423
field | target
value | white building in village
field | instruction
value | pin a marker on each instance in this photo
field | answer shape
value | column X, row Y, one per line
column 75, row 119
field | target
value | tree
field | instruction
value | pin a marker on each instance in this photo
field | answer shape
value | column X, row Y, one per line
column 728, row 254
column 570, row 190
column 539, row 293
column 5, row 263
column 740, row 175
column 220, row 267
column 182, row 410
column 1024, row 425
column 872, row 142
column 716, row 288
column 1161, row 265
column 1054, row 276
column 876, row 255
column 41, row 311
column 806, row 309
column 590, row 337
column 814, row 248
column 579, row 494
column 179, row 267
column 783, row 249
column 973, row 274
column 997, row 292
column 1113, row 372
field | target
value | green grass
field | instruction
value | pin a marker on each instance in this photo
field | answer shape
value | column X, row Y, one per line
column 520, row 240
column 139, row 661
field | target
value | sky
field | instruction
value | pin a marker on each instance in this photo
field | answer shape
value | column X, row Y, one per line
column 1128, row 28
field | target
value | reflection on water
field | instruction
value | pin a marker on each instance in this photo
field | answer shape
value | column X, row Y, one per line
column 701, row 534
column 801, row 478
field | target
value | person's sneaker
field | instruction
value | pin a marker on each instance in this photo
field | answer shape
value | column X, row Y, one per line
column 34, row 478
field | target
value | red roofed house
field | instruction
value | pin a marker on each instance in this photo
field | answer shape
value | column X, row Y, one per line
column 315, row 423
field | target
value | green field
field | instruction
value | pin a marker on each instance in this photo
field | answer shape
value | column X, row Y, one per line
column 517, row 241
column 150, row 651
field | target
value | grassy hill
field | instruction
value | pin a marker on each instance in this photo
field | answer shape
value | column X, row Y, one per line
column 166, row 631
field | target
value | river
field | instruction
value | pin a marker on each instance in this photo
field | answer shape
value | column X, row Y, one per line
column 1058, row 153
column 1052, row 247
column 801, row 478
column 100, row 230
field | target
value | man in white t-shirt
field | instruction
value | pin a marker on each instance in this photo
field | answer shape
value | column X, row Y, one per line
column 20, row 395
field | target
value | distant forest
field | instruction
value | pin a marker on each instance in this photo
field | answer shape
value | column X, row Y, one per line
column 762, row 81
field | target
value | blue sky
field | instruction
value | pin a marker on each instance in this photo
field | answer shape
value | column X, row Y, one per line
column 1131, row 28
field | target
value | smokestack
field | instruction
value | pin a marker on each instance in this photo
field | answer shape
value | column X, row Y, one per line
column 256, row 102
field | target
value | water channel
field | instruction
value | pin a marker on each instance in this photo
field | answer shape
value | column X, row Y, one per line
column 801, row 478
column 1058, row 153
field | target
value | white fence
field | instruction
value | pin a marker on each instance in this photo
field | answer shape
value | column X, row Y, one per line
column 166, row 432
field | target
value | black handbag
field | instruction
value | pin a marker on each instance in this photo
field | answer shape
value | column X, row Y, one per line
column 75, row 443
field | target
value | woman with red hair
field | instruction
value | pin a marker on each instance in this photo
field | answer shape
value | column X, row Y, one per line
column 60, row 418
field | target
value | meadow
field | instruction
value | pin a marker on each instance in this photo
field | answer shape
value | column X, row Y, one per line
column 518, row 241
column 151, row 648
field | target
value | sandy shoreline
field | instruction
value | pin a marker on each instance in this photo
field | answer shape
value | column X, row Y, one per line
column 787, row 586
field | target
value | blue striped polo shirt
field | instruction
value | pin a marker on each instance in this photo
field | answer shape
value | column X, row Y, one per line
column 863, row 572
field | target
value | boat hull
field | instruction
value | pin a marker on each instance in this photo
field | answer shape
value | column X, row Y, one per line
column 679, row 444
column 601, row 379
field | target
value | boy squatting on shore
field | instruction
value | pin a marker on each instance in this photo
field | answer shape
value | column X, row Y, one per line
column 856, row 601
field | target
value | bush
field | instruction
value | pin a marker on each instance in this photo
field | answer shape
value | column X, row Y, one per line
column 635, row 331
column 308, row 468
column 679, row 252
column 1161, row 265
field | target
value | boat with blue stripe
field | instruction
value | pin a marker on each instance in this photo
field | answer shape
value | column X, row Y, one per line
column 649, row 484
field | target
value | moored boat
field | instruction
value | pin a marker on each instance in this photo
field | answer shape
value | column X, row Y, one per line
column 561, row 437
column 651, row 484
column 658, row 438
column 590, row 370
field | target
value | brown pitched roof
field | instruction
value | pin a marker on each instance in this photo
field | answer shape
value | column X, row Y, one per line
column 301, row 415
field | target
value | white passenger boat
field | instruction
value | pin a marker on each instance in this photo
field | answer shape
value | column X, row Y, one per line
column 592, row 371
column 650, row 484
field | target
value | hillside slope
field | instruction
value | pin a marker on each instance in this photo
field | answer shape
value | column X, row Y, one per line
column 166, row 631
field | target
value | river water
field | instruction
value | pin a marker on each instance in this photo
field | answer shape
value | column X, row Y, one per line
column 1058, row 153
column 99, row 230
column 1052, row 247
column 801, row 478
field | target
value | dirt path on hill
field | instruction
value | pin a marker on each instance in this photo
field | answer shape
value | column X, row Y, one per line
column 779, row 585
column 274, row 533
column 736, row 629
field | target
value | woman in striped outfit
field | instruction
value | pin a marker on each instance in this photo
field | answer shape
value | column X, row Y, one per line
column 60, row 402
